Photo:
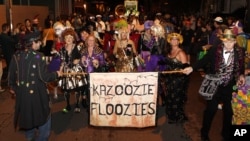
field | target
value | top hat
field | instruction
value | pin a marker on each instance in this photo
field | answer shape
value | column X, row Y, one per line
column 228, row 35
column 174, row 36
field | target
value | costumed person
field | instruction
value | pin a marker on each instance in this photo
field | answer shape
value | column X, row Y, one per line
column 156, row 46
column 176, row 83
column 55, row 62
column 58, row 29
column 70, row 57
column 227, row 61
column 242, row 40
column 92, row 59
column 28, row 76
column 145, row 38
column 124, row 51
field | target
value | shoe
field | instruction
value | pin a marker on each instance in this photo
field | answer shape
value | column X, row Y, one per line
column 67, row 109
column 77, row 110
column 2, row 90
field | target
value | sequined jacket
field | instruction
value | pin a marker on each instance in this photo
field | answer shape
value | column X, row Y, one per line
column 97, row 55
column 214, row 58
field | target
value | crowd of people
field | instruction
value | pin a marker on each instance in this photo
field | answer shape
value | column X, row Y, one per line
column 63, row 52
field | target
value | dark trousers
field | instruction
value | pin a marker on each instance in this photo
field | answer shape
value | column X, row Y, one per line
column 223, row 95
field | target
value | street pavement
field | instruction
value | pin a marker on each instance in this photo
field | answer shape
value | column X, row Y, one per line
column 75, row 127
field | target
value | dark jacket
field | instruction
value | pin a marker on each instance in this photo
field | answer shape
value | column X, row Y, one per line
column 8, row 44
column 28, row 76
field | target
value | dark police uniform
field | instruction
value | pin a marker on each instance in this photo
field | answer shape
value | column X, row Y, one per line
column 28, row 76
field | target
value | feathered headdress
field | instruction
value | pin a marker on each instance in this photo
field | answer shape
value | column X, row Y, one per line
column 120, row 23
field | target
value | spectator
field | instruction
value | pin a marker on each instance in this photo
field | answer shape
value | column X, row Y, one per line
column 8, row 43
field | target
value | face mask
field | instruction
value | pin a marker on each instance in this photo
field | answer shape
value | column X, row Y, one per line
column 59, row 29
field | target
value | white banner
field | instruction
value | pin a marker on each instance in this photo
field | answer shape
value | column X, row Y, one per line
column 123, row 99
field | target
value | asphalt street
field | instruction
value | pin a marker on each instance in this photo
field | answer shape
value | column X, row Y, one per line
column 75, row 127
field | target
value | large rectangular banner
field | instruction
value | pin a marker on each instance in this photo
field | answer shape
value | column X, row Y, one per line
column 123, row 99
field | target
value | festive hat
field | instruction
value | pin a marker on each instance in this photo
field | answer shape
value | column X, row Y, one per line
column 228, row 35
column 174, row 36
column 148, row 24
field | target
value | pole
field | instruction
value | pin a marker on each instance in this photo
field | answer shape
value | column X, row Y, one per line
column 11, row 17
column 8, row 4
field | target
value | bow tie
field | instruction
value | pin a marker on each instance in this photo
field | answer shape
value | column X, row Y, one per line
column 228, row 52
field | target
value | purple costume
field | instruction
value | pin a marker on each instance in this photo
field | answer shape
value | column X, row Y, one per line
column 96, row 55
column 156, row 53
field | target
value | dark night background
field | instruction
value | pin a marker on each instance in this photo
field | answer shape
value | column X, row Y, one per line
column 173, row 6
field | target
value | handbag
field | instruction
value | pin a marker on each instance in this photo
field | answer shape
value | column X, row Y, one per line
column 209, row 86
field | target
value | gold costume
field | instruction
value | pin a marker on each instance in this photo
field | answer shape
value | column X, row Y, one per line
column 124, row 62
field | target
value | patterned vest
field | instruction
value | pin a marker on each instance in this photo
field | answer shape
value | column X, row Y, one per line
column 226, row 69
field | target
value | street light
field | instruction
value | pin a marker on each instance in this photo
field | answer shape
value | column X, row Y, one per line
column 84, row 7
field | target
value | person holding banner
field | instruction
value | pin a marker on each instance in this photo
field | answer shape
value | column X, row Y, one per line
column 176, row 83
column 92, row 60
column 124, row 51
column 70, row 56
column 226, row 60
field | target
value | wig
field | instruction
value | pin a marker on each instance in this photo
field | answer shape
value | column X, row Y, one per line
column 158, row 30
